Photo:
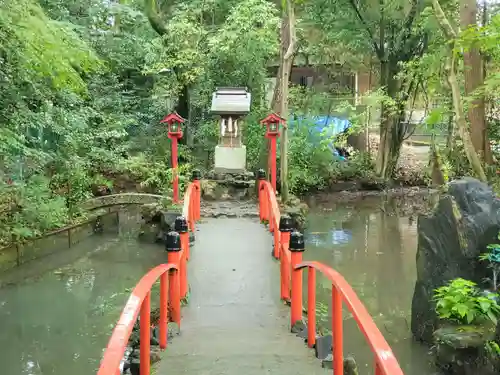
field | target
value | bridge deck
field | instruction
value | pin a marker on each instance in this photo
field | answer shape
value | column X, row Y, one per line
column 234, row 322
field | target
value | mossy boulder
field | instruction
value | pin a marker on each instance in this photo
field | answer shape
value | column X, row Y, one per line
column 228, row 187
column 157, row 222
column 296, row 209
column 450, row 239
column 462, row 349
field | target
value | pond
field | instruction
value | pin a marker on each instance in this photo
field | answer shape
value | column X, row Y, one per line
column 374, row 248
column 57, row 312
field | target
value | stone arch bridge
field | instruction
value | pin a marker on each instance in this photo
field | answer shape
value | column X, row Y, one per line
column 121, row 199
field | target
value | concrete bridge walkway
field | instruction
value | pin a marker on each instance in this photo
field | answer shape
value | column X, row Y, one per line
column 235, row 322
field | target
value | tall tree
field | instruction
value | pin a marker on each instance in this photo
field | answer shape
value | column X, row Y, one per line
column 158, row 17
column 458, row 108
column 392, row 31
column 473, row 70
column 288, row 48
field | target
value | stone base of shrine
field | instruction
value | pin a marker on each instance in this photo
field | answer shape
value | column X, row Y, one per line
column 230, row 159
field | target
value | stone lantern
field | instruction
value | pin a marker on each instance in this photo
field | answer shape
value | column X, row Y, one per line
column 230, row 104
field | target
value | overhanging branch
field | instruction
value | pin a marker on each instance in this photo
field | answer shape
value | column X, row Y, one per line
column 443, row 21
column 408, row 24
column 155, row 20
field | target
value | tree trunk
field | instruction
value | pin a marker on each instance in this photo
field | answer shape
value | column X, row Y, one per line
column 460, row 121
column 285, row 78
column 156, row 20
column 182, row 108
column 437, row 174
column 391, row 118
column 280, row 96
column 473, row 67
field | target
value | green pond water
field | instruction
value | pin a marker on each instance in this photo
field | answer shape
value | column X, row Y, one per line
column 374, row 248
column 58, row 320
column 57, row 313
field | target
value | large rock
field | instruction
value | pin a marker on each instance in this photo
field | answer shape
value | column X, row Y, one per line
column 462, row 350
column 157, row 223
column 296, row 209
column 450, row 240
column 229, row 188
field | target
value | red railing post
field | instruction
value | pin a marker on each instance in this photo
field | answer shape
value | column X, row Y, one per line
column 174, row 122
column 297, row 247
column 261, row 177
column 311, row 307
column 163, row 323
column 181, row 227
column 196, row 176
column 272, row 160
column 273, row 122
column 337, row 331
column 175, row 184
column 285, row 269
column 145, row 336
column 277, row 242
column 285, row 228
column 385, row 361
column 271, row 211
column 138, row 306
column 191, row 209
column 173, row 247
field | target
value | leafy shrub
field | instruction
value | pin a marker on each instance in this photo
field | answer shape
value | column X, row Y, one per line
column 493, row 257
column 30, row 209
column 359, row 165
column 310, row 164
column 156, row 175
column 460, row 301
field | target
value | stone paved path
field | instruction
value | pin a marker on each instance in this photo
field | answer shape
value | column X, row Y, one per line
column 230, row 208
column 235, row 323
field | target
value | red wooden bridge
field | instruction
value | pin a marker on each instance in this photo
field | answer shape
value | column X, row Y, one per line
column 235, row 320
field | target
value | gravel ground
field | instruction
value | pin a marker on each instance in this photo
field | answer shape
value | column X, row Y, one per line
column 412, row 162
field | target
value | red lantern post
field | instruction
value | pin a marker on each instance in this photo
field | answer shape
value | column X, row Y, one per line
column 273, row 122
column 174, row 122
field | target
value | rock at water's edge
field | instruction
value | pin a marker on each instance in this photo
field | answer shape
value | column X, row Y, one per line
column 157, row 222
column 296, row 209
column 450, row 240
column 461, row 350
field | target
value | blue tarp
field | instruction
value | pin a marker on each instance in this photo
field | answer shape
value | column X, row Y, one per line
column 331, row 125
column 326, row 126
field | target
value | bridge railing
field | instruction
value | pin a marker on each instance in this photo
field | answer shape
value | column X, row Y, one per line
column 288, row 248
column 173, row 287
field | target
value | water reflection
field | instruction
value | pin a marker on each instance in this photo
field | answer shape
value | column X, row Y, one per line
column 334, row 237
column 374, row 249
column 59, row 320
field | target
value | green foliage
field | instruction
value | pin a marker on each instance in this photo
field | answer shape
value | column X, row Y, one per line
column 254, row 137
column 312, row 165
column 228, row 49
column 309, row 163
column 156, row 176
column 493, row 349
column 29, row 210
column 72, row 94
column 461, row 302
column 493, row 258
